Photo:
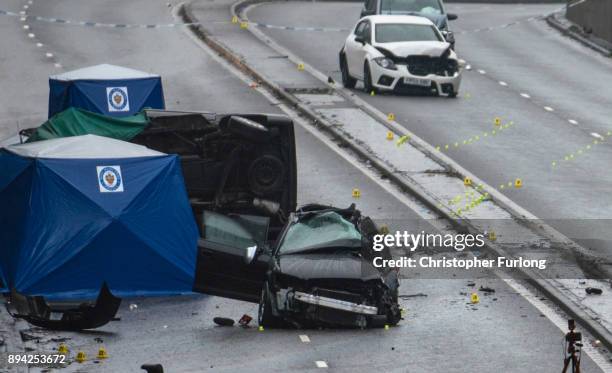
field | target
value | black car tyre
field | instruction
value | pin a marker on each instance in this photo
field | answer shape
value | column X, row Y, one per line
column 367, row 79
column 265, row 317
column 347, row 80
column 453, row 94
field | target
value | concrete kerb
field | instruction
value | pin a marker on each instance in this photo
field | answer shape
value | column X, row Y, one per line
column 405, row 182
column 553, row 22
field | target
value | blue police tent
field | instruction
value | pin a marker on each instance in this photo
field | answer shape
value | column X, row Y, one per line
column 78, row 211
column 105, row 89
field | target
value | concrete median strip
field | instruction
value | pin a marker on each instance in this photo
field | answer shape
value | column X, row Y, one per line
column 415, row 167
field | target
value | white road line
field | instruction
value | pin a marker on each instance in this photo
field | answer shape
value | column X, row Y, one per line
column 597, row 136
column 321, row 364
column 525, row 95
column 23, row 19
column 22, row 12
column 502, row 83
column 304, row 338
column 49, row 55
column 548, row 108
column 572, row 121
column 26, row 27
column 26, row 6
column 558, row 321
column 482, row 72
column 39, row 45
column 58, row 65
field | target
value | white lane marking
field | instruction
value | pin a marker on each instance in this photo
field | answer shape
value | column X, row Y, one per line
column 30, row 35
column 482, row 72
column 26, row 6
column 597, row 136
column 548, row 108
column 321, row 364
column 502, row 83
column 30, row 2
column 468, row 67
column 49, row 55
column 58, row 65
column 22, row 12
column 26, row 27
column 558, row 321
column 39, row 45
column 572, row 121
column 304, row 338
column 525, row 95
column 23, row 19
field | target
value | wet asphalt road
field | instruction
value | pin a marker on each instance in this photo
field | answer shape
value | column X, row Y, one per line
column 441, row 333
column 517, row 71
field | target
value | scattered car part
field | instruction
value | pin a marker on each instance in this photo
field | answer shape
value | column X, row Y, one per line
column 590, row 291
column 38, row 312
column 152, row 368
column 245, row 320
column 223, row 321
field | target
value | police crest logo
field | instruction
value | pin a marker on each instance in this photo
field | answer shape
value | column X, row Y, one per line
column 118, row 99
column 110, row 179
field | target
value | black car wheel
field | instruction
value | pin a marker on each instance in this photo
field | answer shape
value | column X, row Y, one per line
column 347, row 80
column 367, row 78
column 452, row 94
column 265, row 317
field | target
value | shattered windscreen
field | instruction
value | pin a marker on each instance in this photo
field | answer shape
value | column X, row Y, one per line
column 320, row 231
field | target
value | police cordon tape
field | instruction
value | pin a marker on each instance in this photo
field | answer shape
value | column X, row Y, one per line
column 243, row 24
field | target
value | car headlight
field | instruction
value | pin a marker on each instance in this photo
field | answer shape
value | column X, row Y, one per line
column 385, row 63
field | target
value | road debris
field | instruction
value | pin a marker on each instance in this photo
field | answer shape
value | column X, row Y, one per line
column 223, row 321
column 245, row 320
column 406, row 296
column 590, row 291
column 153, row 368
column 487, row 289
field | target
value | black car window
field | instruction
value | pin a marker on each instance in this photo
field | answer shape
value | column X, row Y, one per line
column 408, row 6
column 320, row 231
column 367, row 33
column 398, row 32
column 224, row 230
column 359, row 28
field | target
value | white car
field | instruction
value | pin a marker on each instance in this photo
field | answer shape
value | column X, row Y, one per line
column 401, row 54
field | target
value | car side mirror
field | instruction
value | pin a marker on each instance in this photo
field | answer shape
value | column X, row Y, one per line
column 449, row 36
column 360, row 39
column 249, row 254
column 451, row 16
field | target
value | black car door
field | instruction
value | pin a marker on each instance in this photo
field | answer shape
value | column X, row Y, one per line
column 223, row 267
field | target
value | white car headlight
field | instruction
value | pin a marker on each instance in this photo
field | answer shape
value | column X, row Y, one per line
column 385, row 63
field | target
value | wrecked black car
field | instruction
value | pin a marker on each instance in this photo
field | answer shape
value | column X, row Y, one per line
column 319, row 271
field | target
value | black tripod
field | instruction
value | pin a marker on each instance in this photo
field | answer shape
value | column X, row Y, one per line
column 574, row 353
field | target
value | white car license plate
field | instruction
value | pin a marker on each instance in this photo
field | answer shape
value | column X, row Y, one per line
column 417, row 81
